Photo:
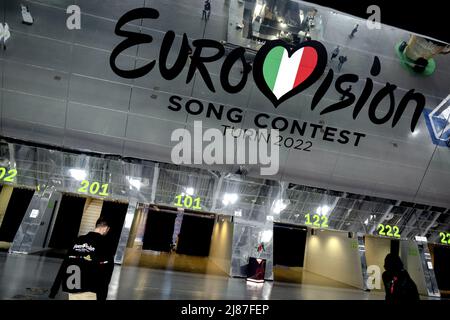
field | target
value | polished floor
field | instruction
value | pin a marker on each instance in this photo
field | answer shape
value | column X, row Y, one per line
column 301, row 276
column 170, row 261
column 30, row 277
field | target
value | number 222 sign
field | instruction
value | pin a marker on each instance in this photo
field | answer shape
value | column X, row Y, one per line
column 386, row 230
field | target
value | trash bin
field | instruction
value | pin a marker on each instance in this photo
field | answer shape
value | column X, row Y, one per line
column 256, row 270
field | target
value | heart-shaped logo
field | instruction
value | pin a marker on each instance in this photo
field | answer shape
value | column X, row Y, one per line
column 281, row 71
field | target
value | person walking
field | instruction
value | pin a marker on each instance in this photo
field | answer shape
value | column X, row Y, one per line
column 5, row 34
column 342, row 60
column 206, row 10
column 355, row 29
column 399, row 286
column 87, row 268
column 335, row 53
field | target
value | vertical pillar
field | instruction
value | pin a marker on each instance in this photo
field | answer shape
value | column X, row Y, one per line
column 121, row 247
column 35, row 222
column 427, row 266
column 362, row 256
column 247, row 237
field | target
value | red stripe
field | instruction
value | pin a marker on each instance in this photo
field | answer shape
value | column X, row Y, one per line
column 307, row 64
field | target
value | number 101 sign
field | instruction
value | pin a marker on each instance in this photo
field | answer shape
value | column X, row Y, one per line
column 188, row 202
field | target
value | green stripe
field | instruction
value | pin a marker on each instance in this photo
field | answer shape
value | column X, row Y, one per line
column 272, row 65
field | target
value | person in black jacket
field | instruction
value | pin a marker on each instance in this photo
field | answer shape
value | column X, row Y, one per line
column 398, row 284
column 87, row 268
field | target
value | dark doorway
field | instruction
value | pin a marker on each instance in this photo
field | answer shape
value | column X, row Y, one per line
column 67, row 222
column 395, row 247
column 195, row 236
column 442, row 266
column 289, row 244
column 114, row 213
column 159, row 231
column 17, row 206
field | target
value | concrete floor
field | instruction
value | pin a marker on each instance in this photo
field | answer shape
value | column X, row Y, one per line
column 170, row 261
column 301, row 276
column 29, row 277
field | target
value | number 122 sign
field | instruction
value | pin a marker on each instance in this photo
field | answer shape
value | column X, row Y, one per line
column 318, row 221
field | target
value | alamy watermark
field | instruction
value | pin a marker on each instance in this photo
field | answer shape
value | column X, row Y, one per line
column 374, row 277
column 249, row 147
column 374, row 20
column 73, row 22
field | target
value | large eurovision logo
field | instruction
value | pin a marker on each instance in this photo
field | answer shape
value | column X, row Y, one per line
column 280, row 71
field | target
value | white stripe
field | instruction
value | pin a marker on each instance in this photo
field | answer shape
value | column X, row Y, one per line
column 287, row 73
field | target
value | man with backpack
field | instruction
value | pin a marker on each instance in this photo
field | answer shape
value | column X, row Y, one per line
column 398, row 284
column 87, row 268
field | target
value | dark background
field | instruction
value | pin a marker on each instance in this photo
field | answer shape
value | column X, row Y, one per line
column 429, row 18
column 114, row 213
column 17, row 206
column 159, row 231
column 67, row 222
column 195, row 236
column 289, row 244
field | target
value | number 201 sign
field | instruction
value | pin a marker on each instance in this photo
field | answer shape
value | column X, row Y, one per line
column 94, row 188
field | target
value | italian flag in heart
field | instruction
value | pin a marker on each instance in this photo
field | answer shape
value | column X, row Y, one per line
column 283, row 73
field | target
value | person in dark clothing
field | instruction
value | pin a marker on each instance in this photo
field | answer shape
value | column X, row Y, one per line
column 87, row 268
column 335, row 53
column 398, row 284
column 342, row 60
column 355, row 29
column 206, row 10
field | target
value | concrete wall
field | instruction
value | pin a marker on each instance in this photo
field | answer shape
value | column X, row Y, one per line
column 5, row 195
column 333, row 255
column 91, row 213
column 409, row 252
column 221, row 244
column 376, row 251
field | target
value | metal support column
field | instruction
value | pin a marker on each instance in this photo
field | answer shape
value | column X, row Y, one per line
column 121, row 247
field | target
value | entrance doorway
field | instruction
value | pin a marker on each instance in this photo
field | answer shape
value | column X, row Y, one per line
column 67, row 223
column 316, row 257
column 167, row 238
column 440, row 255
column 14, row 203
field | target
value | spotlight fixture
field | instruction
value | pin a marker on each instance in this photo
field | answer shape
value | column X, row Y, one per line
column 229, row 198
column 278, row 206
column 134, row 183
column 78, row 174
